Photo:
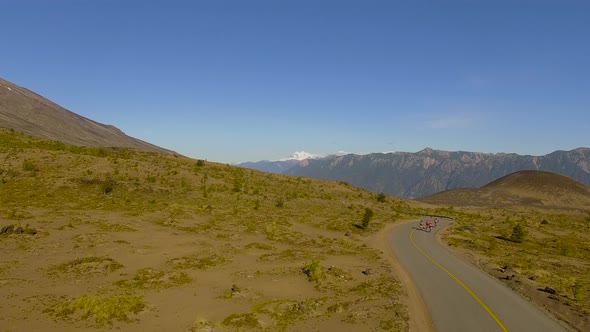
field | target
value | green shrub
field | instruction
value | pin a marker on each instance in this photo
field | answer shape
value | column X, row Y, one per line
column 367, row 217
column 578, row 291
column 313, row 271
column 518, row 233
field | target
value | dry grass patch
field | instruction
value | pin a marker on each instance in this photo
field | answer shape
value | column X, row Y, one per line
column 104, row 309
column 149, row 278
column 86, row 266
column 197, row 262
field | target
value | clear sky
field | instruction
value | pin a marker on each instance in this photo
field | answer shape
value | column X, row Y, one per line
column 234, row 81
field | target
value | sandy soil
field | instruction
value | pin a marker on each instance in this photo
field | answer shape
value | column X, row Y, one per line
column 28, row 286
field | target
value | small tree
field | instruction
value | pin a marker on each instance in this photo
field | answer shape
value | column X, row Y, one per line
column 381, row 198
column 518, row 233
column 369, row 214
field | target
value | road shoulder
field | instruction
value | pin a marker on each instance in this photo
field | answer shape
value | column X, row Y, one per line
column 569, row 318
column 419, row 317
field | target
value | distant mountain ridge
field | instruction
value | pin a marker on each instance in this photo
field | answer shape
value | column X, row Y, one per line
column 414, row 175
column 271, row 166
column 279, row 166
column 32, row 114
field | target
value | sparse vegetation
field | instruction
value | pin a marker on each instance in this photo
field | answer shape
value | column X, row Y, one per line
column 86, row 266
column 30, row 166
column 104, row 309
column 97, row 209
column 197, row 262
column 241, row 321
column 149, row 278
column 107, row 186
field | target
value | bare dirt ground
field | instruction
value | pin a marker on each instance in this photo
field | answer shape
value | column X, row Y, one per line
column 187, row 281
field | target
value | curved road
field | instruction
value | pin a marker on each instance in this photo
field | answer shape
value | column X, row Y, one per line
column 460, row 297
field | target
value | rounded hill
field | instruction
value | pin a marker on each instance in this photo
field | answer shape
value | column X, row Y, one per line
column 538, row 181
column 523, row 188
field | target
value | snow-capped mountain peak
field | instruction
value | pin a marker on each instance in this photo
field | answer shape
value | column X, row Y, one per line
column 300, row 155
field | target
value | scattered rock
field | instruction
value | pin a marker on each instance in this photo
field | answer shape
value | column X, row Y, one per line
column 235, row 288
column 367, row 271
column 10, row 229
column 549, row 290
column 349, row 233
column 302, row 307
column 7, row 229
column 469, row 228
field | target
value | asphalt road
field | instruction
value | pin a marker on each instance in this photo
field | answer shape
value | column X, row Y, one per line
column 460, row 297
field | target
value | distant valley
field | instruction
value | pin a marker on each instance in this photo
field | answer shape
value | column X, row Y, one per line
column 415, row 175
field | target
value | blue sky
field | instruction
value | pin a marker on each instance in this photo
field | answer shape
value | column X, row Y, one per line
column 234, row 81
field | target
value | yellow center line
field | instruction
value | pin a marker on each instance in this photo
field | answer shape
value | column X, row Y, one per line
column 459, row 282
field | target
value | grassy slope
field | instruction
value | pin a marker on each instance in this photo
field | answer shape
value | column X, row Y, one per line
column 141, row 240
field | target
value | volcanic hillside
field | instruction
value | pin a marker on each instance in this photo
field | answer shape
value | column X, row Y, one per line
column 153, row 241
column 524, row 188
column 32, row 114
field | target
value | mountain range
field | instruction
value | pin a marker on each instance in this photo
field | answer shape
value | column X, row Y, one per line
column 27, row 112
column 415, row 175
